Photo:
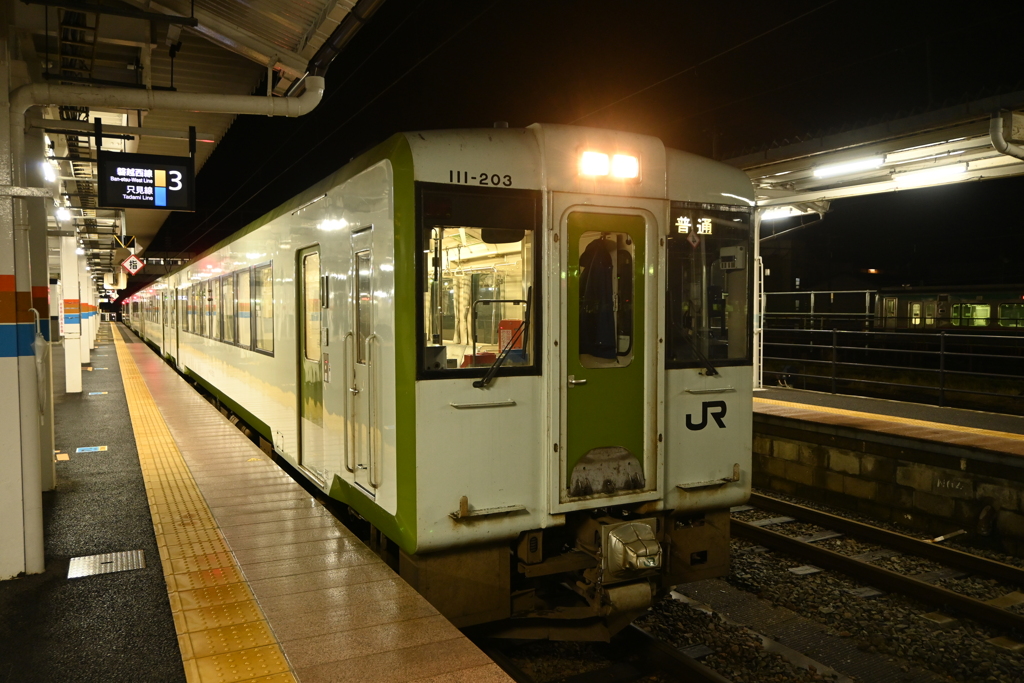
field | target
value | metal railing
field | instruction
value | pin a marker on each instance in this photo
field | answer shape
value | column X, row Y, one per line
column 906, row 359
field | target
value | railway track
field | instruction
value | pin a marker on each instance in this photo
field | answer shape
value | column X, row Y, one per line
column 635, row 655
column 993, row 612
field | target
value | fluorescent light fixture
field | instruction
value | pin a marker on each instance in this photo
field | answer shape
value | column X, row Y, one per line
column 940, row 174
column 63, row 214
column 625, row 166
column 742, row 199
column 783, row 212
column 80, row 251
column 594, row 163
column 48, row 173
column 848, row 167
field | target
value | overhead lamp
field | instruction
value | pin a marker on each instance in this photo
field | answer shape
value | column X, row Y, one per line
column 80, row 251
column 783, row 212
column 48, row 173
column 594, row 163
column 849, row 167
column 940, row 174
column 63, row 214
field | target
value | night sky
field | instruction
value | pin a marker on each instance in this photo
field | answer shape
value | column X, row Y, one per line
column 717, row 79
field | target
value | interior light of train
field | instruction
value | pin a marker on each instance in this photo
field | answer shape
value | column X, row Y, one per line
column 932, row 175
column 594, row 163
column 625, row 166
column 848, row 167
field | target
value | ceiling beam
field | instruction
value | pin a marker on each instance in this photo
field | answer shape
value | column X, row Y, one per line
column 237, row 40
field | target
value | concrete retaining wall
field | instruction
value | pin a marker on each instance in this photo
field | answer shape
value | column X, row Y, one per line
column 936, row 488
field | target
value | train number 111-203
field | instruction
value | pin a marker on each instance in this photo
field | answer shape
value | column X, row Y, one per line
column 481, row 179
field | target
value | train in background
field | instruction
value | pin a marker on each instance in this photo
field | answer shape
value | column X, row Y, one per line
column 523, row 356
column 997, row 309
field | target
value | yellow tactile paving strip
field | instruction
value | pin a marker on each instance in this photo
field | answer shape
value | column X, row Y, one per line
column 892, row 418
column 222, row 633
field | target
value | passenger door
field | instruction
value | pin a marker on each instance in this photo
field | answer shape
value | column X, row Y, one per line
column 311, row 376
column 364, row 351
column 603, row 450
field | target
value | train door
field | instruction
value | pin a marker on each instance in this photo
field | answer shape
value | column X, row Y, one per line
column 311, row 375
column 889, row 313
column 604, row 370
column 365, row 353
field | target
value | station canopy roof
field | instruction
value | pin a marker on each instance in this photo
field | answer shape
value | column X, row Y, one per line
column 953, row 144
column 206, row 46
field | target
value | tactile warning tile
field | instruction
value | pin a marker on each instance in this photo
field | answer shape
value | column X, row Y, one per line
column 222, row 633
column 890, row 418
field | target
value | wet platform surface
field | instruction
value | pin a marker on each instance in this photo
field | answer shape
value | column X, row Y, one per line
column 247, row 578
column 956, row 427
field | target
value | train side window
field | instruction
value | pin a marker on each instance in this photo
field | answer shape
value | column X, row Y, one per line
column 709, row 280
column 227, row 298
column 215, row 321
column 980, row 315
column 915, row 313
column 1011, row 315
column 192, row 322
column 606, row 300
column 477, row 277
column 243, row 289
column 311, row 305
column 364, row 303
column 263, row 307
column 929, row 314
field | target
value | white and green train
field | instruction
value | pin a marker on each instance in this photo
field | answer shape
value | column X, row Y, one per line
column 521, row 355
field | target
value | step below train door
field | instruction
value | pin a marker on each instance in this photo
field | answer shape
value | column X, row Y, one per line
column 364, row 350
column 311, row 375
column 603, row 452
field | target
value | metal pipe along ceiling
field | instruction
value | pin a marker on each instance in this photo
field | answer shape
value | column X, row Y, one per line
column 999, row 143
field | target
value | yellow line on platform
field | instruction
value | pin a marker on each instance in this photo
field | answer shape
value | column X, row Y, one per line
column 222, row 632
column 891, row 418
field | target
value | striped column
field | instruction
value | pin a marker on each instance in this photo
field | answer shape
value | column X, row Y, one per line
column 72, row 316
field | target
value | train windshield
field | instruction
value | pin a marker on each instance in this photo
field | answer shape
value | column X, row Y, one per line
column 478, row 280
column 709, row 286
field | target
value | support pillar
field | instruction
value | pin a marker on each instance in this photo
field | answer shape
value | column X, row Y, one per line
column 72, row 316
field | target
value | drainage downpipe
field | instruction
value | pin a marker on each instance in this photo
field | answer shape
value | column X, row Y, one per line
column 999, row 143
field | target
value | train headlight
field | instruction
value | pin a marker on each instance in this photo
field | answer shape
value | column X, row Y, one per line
column 625, row 166
column 594, row 163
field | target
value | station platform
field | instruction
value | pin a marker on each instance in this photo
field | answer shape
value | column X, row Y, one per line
column 969, row 428
column 244, row 576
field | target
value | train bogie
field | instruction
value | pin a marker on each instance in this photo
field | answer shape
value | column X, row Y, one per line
column 523, row 356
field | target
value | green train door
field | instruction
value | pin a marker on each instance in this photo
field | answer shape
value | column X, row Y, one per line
column 604, row 445
column 311, row 374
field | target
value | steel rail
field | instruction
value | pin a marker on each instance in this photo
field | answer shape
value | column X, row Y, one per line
column 668, row 658
column 879, row 577
column 902, row 542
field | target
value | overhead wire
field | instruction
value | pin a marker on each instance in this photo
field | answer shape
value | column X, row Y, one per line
column 705, row 61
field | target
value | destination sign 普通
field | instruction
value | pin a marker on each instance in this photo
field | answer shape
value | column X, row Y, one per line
column 145, row 181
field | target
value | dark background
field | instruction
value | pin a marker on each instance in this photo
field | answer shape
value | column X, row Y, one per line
column 717, row 79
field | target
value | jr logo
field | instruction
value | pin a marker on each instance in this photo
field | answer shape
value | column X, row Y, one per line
column 719, row 413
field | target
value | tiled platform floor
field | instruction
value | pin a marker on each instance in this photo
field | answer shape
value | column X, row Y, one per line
column 257, row 569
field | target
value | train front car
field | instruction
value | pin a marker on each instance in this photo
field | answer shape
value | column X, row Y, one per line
column 582, row 382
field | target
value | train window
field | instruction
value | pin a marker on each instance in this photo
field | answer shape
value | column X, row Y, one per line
column 215, row 321
column 263, row 307
column 311, row 305
column 709, row 281
column 478, row 281
column 1011, row 315
column 929, row 313
column 915, row 314
column 606, row 300
column 227, row 298
column 364, row 303
column 242, row 294
column 190, row 295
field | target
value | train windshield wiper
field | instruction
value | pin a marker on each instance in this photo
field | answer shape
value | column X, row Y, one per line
column 520, row 333
column 712, row 370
